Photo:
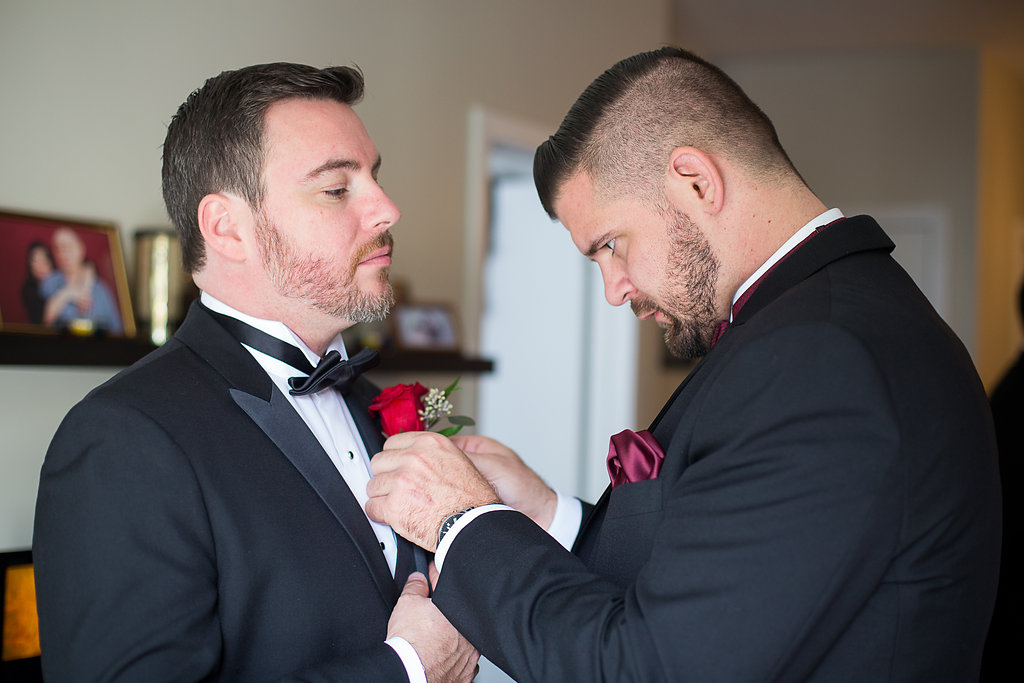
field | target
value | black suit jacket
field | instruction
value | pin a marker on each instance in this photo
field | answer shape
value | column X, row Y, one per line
column 190, row 527
column 828, row 507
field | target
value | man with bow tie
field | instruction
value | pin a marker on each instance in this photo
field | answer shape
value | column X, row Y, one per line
column 818, row 501
column 200, row 516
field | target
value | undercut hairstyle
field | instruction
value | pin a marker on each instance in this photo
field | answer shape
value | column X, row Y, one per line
column 215, row 142
column 622, row 129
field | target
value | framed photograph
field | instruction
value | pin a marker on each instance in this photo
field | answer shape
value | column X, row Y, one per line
column 19, row 623
column 425, row 327
column 60, row 274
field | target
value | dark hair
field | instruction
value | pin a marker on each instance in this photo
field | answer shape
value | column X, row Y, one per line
column 214, row 142
column 623, row 127
column 38, row 244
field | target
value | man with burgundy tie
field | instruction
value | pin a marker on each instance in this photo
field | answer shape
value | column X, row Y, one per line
column 818, row 501
column 200, row 515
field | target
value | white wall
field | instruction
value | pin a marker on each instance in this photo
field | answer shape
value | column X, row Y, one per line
column 88, row 88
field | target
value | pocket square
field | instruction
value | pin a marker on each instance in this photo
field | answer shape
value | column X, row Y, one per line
column 634, row 456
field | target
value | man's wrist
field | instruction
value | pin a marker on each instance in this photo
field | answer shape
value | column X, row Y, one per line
column 410, row 660
column 448, row 522
column 460, row 524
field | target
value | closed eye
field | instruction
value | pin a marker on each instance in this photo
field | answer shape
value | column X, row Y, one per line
column 336, row 193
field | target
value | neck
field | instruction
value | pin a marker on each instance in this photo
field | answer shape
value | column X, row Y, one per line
column 761, row 222
column 316, row 329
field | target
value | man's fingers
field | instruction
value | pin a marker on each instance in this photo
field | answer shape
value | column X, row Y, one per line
column 375, row 510
column 406, row 439
column 416, row 586
column 434, row 574
column 400, row 440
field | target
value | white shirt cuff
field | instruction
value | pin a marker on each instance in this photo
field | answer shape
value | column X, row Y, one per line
column 446, row 542
column 565, row 526
column 411, row 660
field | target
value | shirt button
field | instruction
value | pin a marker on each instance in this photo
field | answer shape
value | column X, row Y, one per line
column 382, row 545
column 351, row 455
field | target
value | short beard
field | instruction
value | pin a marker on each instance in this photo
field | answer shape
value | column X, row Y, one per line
column 689, row 290
column 312, row 279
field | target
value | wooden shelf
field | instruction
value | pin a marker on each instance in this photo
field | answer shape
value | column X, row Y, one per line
column 431, row 361
column 66, row 349
column 69, row 350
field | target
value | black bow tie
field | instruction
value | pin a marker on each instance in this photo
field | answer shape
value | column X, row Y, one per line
column 332, row 370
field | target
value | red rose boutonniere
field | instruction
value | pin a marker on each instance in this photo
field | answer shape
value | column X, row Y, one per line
column 414, row 408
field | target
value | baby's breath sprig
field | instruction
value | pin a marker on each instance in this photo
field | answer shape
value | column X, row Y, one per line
column 436, row 405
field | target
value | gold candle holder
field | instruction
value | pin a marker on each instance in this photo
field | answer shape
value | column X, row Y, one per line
column 163, row 289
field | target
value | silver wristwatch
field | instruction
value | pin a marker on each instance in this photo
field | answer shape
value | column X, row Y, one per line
column 449, row 522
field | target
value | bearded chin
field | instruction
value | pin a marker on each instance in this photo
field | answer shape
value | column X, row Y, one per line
column 364, row 307
column 314, row 280
column 687, row 340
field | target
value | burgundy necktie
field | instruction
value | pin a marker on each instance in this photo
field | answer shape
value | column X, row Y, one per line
column 633, row 456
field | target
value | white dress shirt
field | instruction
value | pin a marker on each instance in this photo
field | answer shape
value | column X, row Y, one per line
column 328, row 417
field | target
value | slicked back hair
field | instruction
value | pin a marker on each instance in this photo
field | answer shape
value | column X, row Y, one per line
column 214, row 143
column 623, row 128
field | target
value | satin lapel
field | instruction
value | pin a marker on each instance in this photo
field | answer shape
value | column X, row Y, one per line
column 278, row 419
column 358, row 402
column 410, row 556
column 254, row 392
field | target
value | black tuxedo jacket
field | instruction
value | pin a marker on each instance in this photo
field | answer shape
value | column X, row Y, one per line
column 190, row 527
column 828, row 507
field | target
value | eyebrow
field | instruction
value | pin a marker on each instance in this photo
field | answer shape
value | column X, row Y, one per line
column 596, row 245
column 340, row 164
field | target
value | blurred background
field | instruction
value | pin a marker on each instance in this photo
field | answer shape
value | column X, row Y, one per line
column 912, row 111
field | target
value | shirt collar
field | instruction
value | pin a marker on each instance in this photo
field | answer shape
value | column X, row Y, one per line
column 274, row 328
column 797, row 237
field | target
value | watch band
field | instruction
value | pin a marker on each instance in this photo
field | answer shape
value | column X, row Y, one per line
column 449, row 522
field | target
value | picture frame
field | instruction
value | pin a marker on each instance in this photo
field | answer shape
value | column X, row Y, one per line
column 62, row 275
column 19, row 623
column 425, row 327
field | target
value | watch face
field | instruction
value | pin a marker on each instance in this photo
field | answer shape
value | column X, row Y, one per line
column 448, row 523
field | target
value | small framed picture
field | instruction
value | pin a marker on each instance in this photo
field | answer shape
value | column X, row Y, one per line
column 425, row 327
column 62, row 274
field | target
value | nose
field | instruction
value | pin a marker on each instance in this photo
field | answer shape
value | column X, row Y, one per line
column 383, row 213
column 618, row 289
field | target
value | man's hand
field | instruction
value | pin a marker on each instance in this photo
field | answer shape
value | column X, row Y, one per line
column 446, row 656
column 418, row 480
column 517, row 485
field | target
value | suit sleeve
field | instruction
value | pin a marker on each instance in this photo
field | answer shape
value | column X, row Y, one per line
column 770, row 540
column 125, row 560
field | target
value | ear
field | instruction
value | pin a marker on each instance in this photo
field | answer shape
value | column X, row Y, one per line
column 694, row 181
column 222, row 221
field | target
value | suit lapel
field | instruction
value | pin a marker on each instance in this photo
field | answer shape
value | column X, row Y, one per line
column 255, row 393
column 838, row 240
column 410, row 557
column 286, row 429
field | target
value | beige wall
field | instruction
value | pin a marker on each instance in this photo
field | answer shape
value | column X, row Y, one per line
column 1000, row 216
column 879, row 128
column 88, row 88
